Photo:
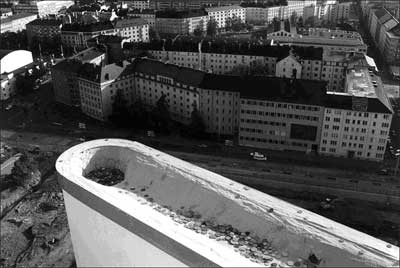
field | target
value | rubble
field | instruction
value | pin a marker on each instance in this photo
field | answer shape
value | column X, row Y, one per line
column 106, row 176
column 258, row 250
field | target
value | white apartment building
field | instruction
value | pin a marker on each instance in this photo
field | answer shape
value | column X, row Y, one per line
column 138, row 4
column 222, row 13
column 181, row 22
column 287, row 116
column 356, row 123
column 42, row 8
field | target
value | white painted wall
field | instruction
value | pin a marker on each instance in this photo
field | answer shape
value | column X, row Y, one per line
column 100, row 242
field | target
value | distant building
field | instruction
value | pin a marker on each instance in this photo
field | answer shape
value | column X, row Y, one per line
column 5, row 12
column 138, row 4
column 16, row 22
column 336, row 40
column 181, row 22
column 13, row 63
column 43, row 29
column 189, row 4
column 43, row 8
column 148, row 15
column 133, row 29
column 222, row 13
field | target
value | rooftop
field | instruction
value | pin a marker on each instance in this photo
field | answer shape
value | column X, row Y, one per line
column 222, row 8
column 93, row 27
column 17, row 17
column 130, row 22
column 265, row 4
column 46, row 22
column 173, row 14
column 141, row 11
column 104, row 39
column 189, row 213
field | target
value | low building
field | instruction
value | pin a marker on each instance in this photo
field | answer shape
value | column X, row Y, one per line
column 43, row 29
column 13, row 63
column 148, row 15
column 221, row 14
column 43, row 8
column 356, row 123
column 181, row 22
column 16, row 23
column 138, row 4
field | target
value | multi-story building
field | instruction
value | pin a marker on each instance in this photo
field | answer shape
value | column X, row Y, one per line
column 43, row 8
column 16, row 22
column 385, row 31
column 77, row 35
column 43, row 29
column 356, row 123
column 287, row 116
column 222, row 13
column 98, row 86
column 181, row 22
column 340, row 41
column 138, row 4
column 341, row 11
column 148, row 15
column 190, row 4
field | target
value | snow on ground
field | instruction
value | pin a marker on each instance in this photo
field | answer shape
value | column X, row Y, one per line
column 176, row 183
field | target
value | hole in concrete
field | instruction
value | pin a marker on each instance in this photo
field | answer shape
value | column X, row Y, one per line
column 106, row 176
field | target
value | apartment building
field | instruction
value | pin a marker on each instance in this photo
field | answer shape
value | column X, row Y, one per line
column 148, row 15
column 5, row 12
column 16, row 23
column 43, row 29
column 77, row 35
column 190, row 4
column 42, row 8
column 287, row 116
column 356, row 123
column 65, row 82
column 260, row 13
column 98, row 86
column 138, row 4
column 385, row 31
column 341, row 11
column 222, row 13
column 181, row 22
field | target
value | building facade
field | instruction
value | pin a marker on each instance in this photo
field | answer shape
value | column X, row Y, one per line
column 43, row 8
column 43, row 29
column 181, row 22
column 148, row 15
column 221, row 14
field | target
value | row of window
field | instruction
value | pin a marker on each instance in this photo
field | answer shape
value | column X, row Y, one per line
column 271, row 123
column 272, row 114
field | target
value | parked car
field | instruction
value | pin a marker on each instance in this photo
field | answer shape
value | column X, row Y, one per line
column 9, row 107
column 258, row 156
column 150, row 133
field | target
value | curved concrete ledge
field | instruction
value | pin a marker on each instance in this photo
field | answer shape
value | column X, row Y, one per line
column 110, row 226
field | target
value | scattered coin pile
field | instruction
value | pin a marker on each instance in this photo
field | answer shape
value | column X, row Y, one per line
column 250, row 246
column 106, row 176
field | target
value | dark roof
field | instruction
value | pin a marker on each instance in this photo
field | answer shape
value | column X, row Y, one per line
column 396, row 30
column 4, row 52
column 82, row 8
column 141, row 11
column 47, row 22
column 266, row 4
column 229, row 46
column 93, row 27
column 90, row 72
column 336, row 101
column 104, row 39
column 183, row 75
column 284, row 89
column 130, row 22
column 174, row 14
column 72, row 66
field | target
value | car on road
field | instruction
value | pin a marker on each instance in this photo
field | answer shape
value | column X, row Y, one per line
column 258, row 156
column 202, row 145
column 150, row 133
column 9, row 107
